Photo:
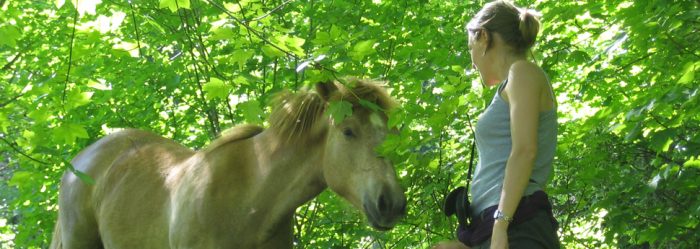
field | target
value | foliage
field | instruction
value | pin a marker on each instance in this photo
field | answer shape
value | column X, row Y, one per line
column 627, row 169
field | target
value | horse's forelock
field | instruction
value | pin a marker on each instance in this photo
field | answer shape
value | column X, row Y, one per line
column 295, row 114
column 369, row 90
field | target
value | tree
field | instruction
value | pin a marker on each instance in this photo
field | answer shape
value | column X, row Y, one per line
column 627, row 163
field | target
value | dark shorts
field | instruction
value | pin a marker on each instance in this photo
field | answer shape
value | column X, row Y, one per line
column 535, row 233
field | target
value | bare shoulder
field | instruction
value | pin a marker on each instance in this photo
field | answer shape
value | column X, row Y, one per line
column 526, row 74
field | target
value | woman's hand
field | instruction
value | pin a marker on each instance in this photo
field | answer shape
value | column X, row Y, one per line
column 499, row 236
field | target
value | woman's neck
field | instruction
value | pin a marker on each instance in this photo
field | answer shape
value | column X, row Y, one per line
column 502, row 66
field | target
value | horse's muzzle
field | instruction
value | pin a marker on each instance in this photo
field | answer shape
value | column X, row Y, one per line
column 383, row 212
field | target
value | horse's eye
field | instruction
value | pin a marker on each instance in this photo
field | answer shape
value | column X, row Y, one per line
column 348, row 132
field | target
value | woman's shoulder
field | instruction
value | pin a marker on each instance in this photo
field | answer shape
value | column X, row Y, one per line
column 524, row 78
column 526, row 72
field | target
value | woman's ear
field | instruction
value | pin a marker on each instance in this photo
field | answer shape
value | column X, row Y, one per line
column 326, row 89
column 483, row 37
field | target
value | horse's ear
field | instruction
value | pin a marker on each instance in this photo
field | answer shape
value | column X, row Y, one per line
column 326, row 89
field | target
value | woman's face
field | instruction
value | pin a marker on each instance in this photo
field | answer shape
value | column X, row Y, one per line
column 480, row 57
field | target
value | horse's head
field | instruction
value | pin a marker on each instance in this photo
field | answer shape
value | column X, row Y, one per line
column 351, row 166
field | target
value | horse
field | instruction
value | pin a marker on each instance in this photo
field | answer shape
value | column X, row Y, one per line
column 241, row 190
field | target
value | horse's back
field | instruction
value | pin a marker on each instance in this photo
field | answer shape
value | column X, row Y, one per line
column 129, row 201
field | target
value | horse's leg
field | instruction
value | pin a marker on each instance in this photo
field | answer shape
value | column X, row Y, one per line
column 283, row 237
column 79, row 232
column 76, row 218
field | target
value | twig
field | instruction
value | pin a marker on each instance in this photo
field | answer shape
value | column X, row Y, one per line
column 118, row 113
column 259, row 35
column 21, row 152
column 680, row 46
column 619, row 69
column 206, row 105
column 250, row 38
column 203, row 49
column 11, row 100
column 70, row 54
column 136, row 27
column 273, row 10
column 9, row 64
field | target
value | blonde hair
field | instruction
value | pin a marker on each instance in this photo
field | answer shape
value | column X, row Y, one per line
column 518, row 27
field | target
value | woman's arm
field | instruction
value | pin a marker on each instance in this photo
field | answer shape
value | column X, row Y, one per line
column 525, row 85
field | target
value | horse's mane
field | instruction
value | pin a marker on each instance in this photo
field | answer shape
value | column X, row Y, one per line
column 294, row 114
column 234, row 134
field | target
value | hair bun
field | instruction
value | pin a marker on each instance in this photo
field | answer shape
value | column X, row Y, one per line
column 529, row 26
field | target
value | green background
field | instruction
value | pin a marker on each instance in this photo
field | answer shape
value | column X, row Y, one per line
column 624, row 72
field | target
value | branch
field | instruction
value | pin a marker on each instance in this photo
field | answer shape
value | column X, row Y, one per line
column 619, row 69
column 680, row 46
column 136, row 27
column 11, row 100
column 9, row 64
column 273, row 10
column 266, row 41
column 203, row 49
column 70, row 55
column 119, row 115
column 20, row 151
column 210, row 111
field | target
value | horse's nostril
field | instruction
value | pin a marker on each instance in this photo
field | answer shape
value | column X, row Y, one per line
column 382, row 204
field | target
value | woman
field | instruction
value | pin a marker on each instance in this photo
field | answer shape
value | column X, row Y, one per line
column 515, row 136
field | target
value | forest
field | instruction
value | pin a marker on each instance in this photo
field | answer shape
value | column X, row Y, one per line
column 627, row 168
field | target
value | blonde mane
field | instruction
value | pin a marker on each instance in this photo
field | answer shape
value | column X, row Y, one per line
column 233, row 134
column 295, row 114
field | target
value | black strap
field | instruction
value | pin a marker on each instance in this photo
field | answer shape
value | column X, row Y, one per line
column 456, row 202
column 471, row 155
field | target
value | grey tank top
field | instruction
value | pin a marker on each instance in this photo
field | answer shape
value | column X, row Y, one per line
column 493, row 142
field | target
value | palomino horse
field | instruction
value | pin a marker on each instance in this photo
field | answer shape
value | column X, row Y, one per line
column 241, row 191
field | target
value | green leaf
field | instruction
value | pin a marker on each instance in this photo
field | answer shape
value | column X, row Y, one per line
column 634, row 132
column 222, row 33
column 83, row 177
column 240, row 57
column 77, row 98
column 339, row 110
column 692, row 163
column 99, row 85
column 68, row 132
column 272, row 52
column 396, row 117
column 689, row 72
column 4, row 122
column 9, row 35
column 322, row 38
column 251, row 111
column 362, row 49
column 19, row 178
column 457, row 68
column 370, row 105
column 335, row 32
column 40, row 114
column 216, row 88
column 661, row 141
column 173, row 5
column 294, row 44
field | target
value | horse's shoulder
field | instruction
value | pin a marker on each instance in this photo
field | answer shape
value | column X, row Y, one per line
column 234, row 134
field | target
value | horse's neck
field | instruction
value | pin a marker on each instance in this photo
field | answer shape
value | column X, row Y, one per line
column 252, row 186
column 289, row 174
